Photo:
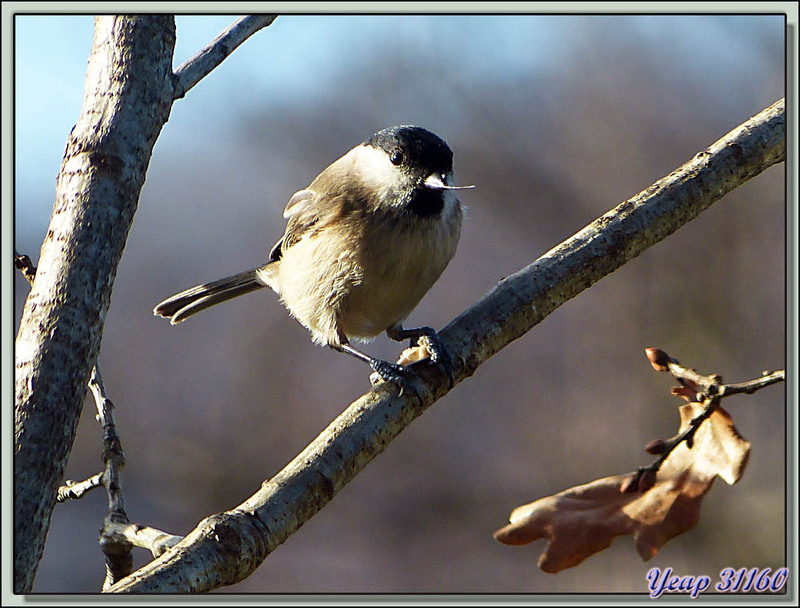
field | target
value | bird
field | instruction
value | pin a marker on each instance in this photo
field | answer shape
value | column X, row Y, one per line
column 363, row 243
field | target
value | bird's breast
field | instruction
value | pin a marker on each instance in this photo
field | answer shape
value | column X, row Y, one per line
column 367, row 272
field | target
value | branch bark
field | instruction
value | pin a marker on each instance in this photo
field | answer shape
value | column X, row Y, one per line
column 118, row 536
column 128, row 96
column 129, row 91
column 227, row 547
column 199, row 66
column 119, row 559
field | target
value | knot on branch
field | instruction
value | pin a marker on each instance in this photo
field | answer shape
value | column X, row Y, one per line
column 240, row 541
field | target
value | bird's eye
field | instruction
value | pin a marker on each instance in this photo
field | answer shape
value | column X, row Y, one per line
column 397, row 157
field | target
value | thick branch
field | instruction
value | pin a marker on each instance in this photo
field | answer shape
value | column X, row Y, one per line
column 199, row 66
column 129, row 92
column 127, row 101
column 227, row 547
column 118, row 535
column 70, row 490
column 525, row 298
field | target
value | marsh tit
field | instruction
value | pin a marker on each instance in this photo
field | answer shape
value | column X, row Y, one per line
column 363, row 244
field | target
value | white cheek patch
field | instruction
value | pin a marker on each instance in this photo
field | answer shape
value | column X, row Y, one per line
column 376, row 170
column 374, row 163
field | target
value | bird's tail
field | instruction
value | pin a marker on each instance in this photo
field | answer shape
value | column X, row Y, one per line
column 189, row 302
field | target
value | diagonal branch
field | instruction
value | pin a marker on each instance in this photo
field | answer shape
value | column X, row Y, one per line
column 227, row 547
column 199, row 66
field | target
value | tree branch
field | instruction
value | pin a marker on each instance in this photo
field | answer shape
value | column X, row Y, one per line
column 199, row 66
column 525, row 298
column 119, row 559
column 129, row 92
column 24, row 264
column 118, row 536
column 70, row 490
column 227, row 547
column 127, row 100
column 697, row 386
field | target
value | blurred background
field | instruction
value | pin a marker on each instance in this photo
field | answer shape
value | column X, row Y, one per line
column 556, row 119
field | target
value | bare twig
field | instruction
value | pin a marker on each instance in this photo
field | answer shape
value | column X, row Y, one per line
column 155, row 541
column 73, row 490
column 752, row 386
column 645, row 476
column 706, row 389
column 199, row 66
column 707, row 386
column 24, row 264
column 119, row 559
column 225, row 548
column 113, row 457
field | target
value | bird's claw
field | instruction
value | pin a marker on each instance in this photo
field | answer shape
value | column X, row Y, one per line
column 438, row 354
column 383, row 371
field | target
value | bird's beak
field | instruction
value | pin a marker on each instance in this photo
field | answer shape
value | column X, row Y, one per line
column 436, row 181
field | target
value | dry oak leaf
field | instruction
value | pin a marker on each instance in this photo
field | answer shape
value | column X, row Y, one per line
column 586, row 519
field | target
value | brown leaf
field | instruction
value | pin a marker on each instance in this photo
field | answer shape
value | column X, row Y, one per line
column 719, row 449
column 586, row 519
column 578, row 522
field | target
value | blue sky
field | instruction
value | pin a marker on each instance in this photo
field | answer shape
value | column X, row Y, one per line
column 51, row 55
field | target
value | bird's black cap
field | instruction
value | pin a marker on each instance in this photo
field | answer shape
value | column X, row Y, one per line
column 420, row 148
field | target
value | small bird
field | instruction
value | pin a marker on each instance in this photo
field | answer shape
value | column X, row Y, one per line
column 363, row 243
